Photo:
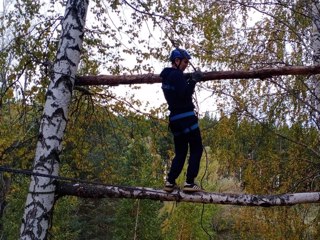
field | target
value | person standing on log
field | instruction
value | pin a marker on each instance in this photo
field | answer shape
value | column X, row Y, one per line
column 183, row 122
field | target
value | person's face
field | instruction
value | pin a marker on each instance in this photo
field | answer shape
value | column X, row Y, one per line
column 182, row 63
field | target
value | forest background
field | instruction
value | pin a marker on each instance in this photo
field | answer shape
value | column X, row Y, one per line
column 262, row 139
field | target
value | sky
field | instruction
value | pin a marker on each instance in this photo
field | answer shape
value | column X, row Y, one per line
column 151, row 93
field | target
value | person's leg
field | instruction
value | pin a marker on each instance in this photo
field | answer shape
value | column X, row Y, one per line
column 181, row 149
column 196, row 149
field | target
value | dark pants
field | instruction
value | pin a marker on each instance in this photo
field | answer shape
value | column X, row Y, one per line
column 181, row 144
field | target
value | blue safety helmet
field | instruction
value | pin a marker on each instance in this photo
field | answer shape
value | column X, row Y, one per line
column 179, row 53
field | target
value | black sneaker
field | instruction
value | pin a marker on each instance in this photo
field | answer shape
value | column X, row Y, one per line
column 169, row 187
column 192, row 187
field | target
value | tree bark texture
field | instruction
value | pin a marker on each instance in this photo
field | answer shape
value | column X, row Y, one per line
column 219, row 75
column 41, row 197
column 315, row 83
column 102, row 191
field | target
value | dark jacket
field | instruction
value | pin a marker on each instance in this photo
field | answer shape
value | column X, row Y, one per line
column 177, row 91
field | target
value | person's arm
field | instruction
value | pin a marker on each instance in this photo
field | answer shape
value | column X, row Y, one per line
column 182, row 86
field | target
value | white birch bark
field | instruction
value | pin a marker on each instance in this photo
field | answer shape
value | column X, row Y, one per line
column 316, row 59
column 41, row 197
column 103, row 191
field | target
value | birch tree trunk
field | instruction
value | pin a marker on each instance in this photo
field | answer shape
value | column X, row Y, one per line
column 316, row 59
column 41, row 197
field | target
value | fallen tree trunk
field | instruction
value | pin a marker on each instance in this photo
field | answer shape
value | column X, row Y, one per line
column 219, row 75
column 103, row 191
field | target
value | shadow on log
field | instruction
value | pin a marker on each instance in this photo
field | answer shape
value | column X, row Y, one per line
column 104, row 191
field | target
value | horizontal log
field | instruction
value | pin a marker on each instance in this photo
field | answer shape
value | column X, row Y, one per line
column 208, row 76
column 103, row 191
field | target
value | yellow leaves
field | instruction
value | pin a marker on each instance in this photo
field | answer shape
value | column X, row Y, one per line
column 12, row 77
column 10, row 93
column 275, row 223
column 16, row 135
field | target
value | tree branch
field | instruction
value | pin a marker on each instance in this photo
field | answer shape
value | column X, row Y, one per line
column 105, row 191
column 219, row 75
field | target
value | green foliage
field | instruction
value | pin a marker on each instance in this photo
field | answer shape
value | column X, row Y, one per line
column 13, row 212
column 64, row 224
column 122, row 150
column 137, row 218
column 278, row 223
column 179, row 225
column 103, row 147
column 269, row 160
column 264, row 140
column 94, row 219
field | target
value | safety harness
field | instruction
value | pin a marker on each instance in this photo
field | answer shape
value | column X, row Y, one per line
column 181, row 115
column 184, row 115
column 167, row 86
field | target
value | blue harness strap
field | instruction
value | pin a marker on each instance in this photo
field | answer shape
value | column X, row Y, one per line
column 167, row 87
column 181, row 115
column 187, row 130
